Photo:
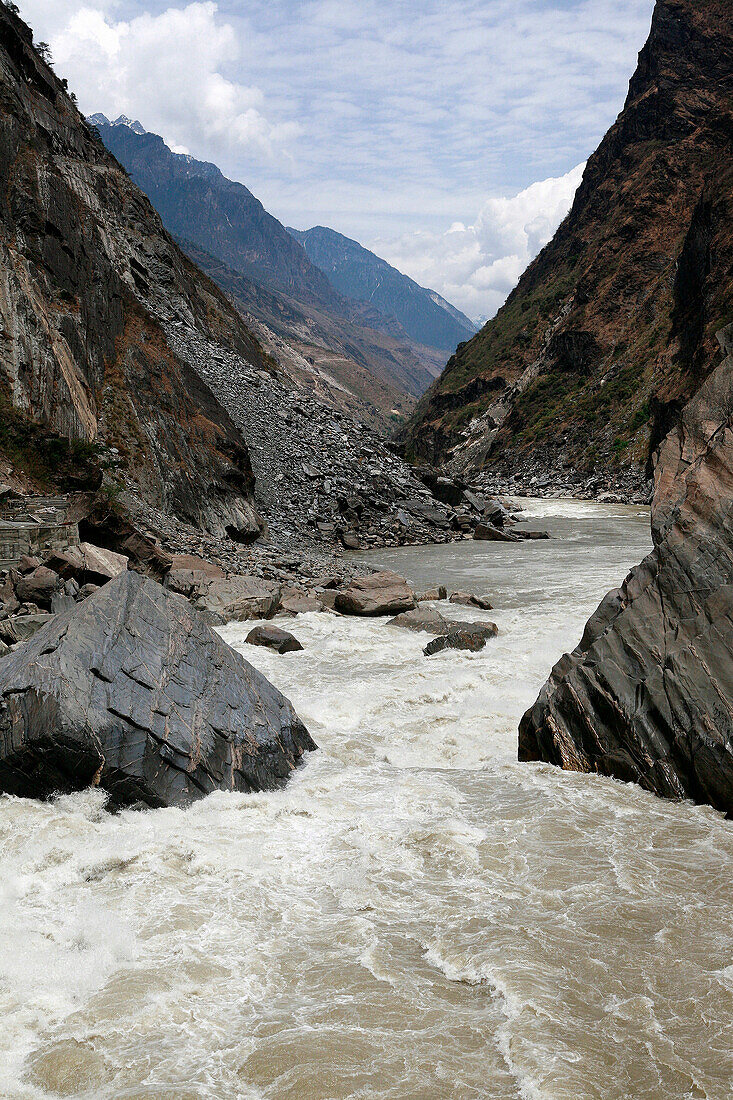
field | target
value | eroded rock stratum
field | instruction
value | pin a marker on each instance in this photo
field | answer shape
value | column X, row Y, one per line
column 648, row 694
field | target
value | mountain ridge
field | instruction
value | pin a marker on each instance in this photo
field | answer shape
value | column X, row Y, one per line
column 359, row 273
column 612, row 328
column 226, row 221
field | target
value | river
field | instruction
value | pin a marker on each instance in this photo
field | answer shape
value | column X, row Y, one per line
column 416, row 917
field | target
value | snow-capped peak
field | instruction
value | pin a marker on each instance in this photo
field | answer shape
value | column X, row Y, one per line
column 101, row 120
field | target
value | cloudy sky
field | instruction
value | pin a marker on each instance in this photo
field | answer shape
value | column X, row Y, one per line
column 447, row 135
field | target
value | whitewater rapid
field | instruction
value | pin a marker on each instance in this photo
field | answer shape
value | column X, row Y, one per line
column 416, row 916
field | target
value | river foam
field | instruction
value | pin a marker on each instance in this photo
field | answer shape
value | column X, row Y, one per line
column 415, row 916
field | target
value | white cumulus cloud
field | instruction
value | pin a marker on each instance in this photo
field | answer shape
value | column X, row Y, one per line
column 167, row 69
column 476, row 266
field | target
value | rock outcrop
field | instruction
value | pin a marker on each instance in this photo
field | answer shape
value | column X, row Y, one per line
column 88, row 381
column 648, row 694
column 611, row 330
column 133, row 692
column 383, row 593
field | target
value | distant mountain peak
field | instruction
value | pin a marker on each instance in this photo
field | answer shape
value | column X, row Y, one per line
column 122, row 120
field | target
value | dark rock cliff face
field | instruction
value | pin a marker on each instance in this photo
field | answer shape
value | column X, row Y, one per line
column 87, row 273
column 357, row 273
column 615, row 321
column 648, row 694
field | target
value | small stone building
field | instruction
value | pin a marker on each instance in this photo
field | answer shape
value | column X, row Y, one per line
column 34, row 525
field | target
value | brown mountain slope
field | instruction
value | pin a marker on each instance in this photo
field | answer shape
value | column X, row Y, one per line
column 87, row 277
column 612, row 328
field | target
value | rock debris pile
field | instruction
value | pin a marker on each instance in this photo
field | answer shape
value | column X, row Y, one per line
column 322, row 479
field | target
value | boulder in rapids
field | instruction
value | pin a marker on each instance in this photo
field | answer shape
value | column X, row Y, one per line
column 132, row 691
column 471, row 637
column 294, row 602
column 427, row 621
column 440, row 592
column 468, row 599
column 272, row 637
column 422, row 619
column 383, row 593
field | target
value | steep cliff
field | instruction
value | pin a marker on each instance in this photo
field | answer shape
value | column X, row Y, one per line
column 88, row 276
column 612, row 329
column 648, row 694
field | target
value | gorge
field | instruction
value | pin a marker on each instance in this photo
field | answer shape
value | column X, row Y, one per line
column 260, row 836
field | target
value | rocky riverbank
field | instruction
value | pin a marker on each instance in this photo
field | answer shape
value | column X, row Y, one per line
column 535, row 477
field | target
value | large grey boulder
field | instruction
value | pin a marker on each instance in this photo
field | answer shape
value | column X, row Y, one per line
column 134, row 692
column 383, row 593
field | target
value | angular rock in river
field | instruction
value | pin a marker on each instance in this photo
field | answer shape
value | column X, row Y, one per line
column 293, row 602
column 422, row 620
column 434, row 594
column 383, row 593
column 648, row 694
column 485, row 532
column 468, row 599
column 272, row 637
column 468, row 636
column 134, row 692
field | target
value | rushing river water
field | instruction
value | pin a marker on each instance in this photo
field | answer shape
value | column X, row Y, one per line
column 416, row 917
